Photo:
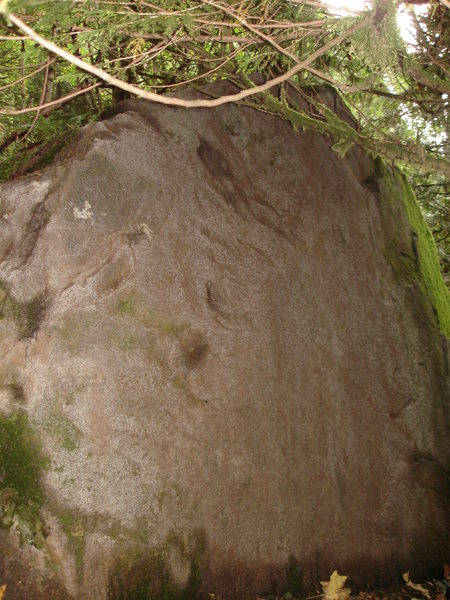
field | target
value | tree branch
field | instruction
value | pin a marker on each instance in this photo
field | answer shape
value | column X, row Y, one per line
column 54, row 103
column 41, row 68
column 114, row 81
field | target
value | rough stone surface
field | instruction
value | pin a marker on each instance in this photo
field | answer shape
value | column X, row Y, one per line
column 236, row 390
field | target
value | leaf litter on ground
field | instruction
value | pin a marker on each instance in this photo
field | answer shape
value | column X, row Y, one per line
column 334, row 590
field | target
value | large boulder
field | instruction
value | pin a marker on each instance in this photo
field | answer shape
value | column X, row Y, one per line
column 222, row 365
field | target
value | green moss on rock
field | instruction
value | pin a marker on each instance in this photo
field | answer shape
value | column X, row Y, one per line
column 75, row 530
column 21, row 464
column 126, row 307
column 431, row 276
column 151, row 319
column 31, row 315
column 8, row 308
column 14, row 384
column 147, row 573
column 144, row 577
column 27, row 315
column 410, row 249
column 64, row 430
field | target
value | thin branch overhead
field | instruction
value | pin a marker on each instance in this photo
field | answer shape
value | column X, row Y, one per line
column 170, row 101
column 109, row 50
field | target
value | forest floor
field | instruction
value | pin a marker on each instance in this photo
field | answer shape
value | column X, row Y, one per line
column 335, row 589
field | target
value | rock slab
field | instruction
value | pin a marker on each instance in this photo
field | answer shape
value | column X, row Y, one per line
column 219, row 335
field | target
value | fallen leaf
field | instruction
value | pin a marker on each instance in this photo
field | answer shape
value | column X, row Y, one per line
column 447, row 571
column 418, row 588
column 334, row 589
column 2, row 591
column 415, row 586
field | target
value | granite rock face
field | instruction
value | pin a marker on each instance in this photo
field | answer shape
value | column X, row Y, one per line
column 219, row 335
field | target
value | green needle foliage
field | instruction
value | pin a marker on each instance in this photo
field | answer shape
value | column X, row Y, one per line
column 397, row 95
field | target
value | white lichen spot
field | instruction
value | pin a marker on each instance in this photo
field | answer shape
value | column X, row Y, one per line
column 41, row 185
column 84, row 213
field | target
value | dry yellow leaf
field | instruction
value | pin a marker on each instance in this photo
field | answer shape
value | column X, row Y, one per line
column 418, row 588
column 415, row 586
column 334, row 589
column 2, row 591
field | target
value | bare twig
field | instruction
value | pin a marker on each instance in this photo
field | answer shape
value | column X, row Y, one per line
column 13, row 38
column 41, row 68
column 59, row 101
column 43, row 96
